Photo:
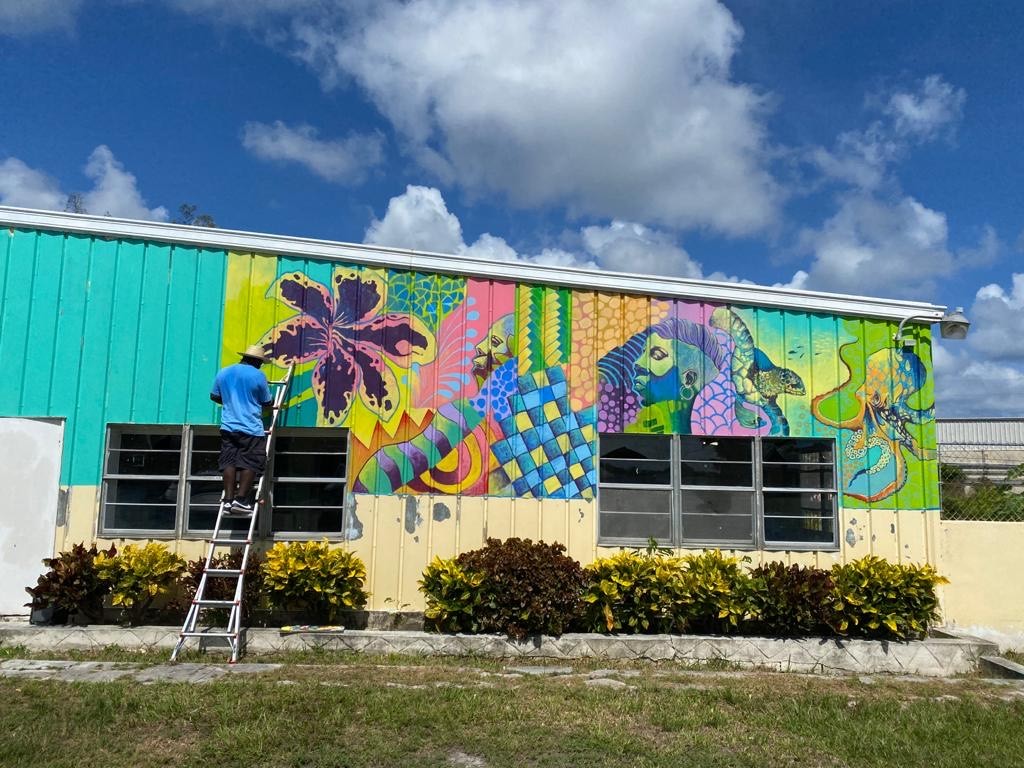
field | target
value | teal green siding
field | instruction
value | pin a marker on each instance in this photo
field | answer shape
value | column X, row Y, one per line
column 102, row 331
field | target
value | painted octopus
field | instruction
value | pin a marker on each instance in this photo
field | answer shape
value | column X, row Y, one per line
column 891, row 378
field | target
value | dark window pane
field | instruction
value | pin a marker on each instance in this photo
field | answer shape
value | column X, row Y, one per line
column 798, row 475
column 811, row 530
column 728, row 529
column 201, row 517
column 206, row 442
column 616, row 446
column 637, row 472
column 798, row 504
column 705, row 473
column 632, row 500
column 695, row 448
column 205, row 463
column 308, row 464
column 140, row 504
column 718, row 503
column 309, row 495
column 144, row 454
column 328, row 441
column 142, row 491
column 307, row 520
column 616, row 525
column 797, row 450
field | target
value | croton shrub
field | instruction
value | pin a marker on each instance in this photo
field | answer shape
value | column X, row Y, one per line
column 519, row 587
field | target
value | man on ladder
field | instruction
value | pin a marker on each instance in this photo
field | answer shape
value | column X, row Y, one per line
column 244, row 393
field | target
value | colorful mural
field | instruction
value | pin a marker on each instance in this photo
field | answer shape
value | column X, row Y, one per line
column 475, row 387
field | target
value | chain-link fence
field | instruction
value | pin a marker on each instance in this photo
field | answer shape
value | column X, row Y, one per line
column 982, row 482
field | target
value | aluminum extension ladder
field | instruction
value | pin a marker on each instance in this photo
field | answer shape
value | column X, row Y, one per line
column 222, row 539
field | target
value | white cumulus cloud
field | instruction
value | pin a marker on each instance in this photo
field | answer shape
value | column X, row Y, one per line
column 419, row 219
column 863, row 158
column 114, row 190
column 613, row 109
column 929, row 112
column 338, row 160
column 878, row 247
column 998, row 321
column 27, row 187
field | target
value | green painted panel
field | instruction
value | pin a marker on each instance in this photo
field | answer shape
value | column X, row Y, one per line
column 42, row 326
column 149, row 351
column 206, row 336
column 124, row 333
column 178, row 330
column 89, row 420
column 17, row 300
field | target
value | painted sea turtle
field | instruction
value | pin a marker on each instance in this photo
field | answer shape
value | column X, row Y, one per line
column 758, row 380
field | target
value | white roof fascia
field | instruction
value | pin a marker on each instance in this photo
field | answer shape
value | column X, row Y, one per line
column 421, row 261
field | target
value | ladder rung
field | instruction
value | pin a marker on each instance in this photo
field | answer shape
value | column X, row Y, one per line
column 214, row 603
column 225, row 572
column 206, row 634
column 232, row 542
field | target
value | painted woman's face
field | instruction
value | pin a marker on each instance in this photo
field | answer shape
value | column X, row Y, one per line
column 495, row 349
column 667, row 370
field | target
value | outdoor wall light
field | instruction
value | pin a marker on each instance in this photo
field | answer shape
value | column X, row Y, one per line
column 953, row 325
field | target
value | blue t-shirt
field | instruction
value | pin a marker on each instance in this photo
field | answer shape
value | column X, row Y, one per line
column 243, row 389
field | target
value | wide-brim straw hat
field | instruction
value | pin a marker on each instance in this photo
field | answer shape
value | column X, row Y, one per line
column 256, row 352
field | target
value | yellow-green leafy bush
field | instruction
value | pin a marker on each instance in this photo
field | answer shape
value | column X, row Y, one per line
column 453, row 594
column 636, row 593
column 315, row 578
column 878, row 599
column 720, row 593
column 138, row 575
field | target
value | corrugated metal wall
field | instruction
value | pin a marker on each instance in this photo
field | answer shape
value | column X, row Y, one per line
column 105, row 331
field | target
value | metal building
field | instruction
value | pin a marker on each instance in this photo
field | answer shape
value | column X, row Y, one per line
column 440, row 400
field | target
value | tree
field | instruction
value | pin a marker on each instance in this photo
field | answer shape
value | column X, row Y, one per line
column 75, row 203
column 187, row 215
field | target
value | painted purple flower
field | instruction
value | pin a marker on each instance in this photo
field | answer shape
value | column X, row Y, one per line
column 349, row 338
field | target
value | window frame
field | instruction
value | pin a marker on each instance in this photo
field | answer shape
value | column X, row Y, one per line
column 106, row 477
column 757, row 490
column 184, row 479
column 266, row 522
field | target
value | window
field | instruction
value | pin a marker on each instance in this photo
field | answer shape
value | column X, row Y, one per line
column 309, row 482
column 735, row 492
column 140, row 479
column 162, row 480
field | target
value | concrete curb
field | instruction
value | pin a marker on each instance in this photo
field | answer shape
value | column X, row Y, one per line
column 933, row 657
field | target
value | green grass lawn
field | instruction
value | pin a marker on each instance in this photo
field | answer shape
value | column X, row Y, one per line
column 364, row 711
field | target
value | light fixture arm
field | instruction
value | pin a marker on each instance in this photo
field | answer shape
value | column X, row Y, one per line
column 953, row 325
column 899, row 330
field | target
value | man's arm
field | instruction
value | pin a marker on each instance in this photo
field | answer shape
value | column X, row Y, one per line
column 215, row 390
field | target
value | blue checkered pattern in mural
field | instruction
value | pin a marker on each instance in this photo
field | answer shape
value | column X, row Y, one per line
column 547, row 449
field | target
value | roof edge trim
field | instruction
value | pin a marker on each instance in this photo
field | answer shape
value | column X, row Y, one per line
column 399, row 258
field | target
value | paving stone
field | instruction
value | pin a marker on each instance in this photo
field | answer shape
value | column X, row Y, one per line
column 541, row 671
column 607, row 682
column 466, row 761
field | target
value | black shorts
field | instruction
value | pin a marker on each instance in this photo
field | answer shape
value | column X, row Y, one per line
column 238, row 449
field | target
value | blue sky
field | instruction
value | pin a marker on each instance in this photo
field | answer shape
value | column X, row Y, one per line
column 853, row 147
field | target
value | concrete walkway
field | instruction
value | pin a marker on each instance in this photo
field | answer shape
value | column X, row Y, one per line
column 106, row 671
